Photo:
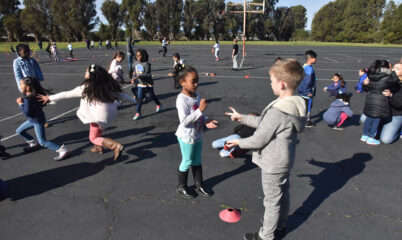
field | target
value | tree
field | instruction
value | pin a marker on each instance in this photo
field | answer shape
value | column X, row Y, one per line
column 9, row 13
column 391, row 24
column 189, row 18
column 132, row 10
column 111, row 11
column 150, row 23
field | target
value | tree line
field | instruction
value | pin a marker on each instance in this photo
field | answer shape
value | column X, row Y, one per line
column 74, row 20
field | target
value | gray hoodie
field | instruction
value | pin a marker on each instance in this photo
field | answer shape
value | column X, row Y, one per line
column 276, row 134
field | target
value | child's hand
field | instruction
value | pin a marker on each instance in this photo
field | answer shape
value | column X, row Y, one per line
column 19, row 100
column 325, row 89
column 203, row 104
column 310, row 95
column 43, row 98
column 211, row 124
column 366, row 81
column 387, row 93
column 234, row 115
column 232, row 143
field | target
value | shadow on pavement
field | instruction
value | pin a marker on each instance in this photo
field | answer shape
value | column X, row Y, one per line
column 332, row 178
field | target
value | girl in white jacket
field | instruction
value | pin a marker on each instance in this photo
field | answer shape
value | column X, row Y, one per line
column 98, row 94
column 115, row 68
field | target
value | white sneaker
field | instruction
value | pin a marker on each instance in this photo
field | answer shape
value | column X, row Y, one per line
column 63, row 153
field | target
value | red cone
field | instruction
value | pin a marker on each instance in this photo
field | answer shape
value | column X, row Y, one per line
column 230, row 215
column 247, row 76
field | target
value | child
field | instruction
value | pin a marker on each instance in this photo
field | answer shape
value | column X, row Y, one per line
column 165, row 42
column 338, row 85
column 32, row 109
column 338, row 112
column 217, row 50
column 240, row 131
column 274, row 142
column 92, row 44
column 307, row 87
column 48, row 50
column 377, row 105
column 363, row 76
column 130, row 55
column 115, row 68
column 142, row 75
column 55, row 52
column 190, row 108
column 70, row 49
column 235, row 52
column 98, row 94
column 25, row 66
column 177, row 68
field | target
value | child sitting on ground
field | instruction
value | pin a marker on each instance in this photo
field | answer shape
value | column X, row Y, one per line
column 363, row 76
column 338, row 112
column 338, row 85
column 240, row 131
column 274, row 142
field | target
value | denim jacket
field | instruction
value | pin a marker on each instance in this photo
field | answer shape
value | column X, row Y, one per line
column 26, row 68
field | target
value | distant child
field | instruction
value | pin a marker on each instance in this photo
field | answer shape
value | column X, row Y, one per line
column 339, row 111
column 216, row 50
column 100, row 44
column 165, row 42
column 55, row 52
column 92, row 44
column 130, row 55
column 70, row 49
column 142, row 75
column 235, row 53
column 115, row 68
column 116, row 44
column 274, row 144
column 338, row 86
column 240, row 131
column 190, row 108
column 99, row 94
column 40, row 45
column 32, row 109
column 307, row 87
column 363, row 76
column 377, row 105
column 178, row 66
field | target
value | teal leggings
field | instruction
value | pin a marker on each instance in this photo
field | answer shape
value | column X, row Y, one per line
column 191, row 155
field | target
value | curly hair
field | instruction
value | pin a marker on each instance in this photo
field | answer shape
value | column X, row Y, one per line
column 100, row 86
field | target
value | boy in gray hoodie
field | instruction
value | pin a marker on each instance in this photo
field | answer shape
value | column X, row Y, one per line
column 274, row 144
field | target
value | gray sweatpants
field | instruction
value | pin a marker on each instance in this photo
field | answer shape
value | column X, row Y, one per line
column 276, row 203
column 235, row 62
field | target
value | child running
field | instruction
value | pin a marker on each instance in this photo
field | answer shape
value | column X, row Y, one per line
column 32, row 109
column 115, row 68
column 338, row 112
column 377, row 105
column 307, row 87
column 274, row 142
column 98, row 94
column 142, row 76
column 338, row 86
column 363, row 76
column 190, row 108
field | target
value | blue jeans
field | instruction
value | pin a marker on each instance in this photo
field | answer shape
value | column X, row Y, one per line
column 371, row 126
column 391, row 130
column 220, row 143
column 141, row 95
column 40, row 134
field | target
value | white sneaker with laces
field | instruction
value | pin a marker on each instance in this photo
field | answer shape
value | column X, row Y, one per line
column 63, row 153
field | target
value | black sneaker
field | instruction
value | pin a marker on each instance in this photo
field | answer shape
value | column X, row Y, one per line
column 252, row 236
column 309, row 124
column 280, row 232
column 340, row 128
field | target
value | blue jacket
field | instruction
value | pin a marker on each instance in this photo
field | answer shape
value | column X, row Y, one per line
column 359, row 85
column 26, row 68
column 336, row 88
column 33, row 109
column 333, row 115
column 308, row 84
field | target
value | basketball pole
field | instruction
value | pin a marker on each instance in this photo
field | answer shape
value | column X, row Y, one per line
column 244, row 29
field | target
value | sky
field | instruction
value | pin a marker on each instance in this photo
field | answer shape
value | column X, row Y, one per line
column 312, row 7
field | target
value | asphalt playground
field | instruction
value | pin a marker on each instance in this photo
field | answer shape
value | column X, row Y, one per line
column 341, row 188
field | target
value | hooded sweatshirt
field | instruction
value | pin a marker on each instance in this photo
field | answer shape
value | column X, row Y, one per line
column 276, row 134
column 333, row 115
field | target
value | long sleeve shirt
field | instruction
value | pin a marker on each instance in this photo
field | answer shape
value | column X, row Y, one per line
column 26, row 68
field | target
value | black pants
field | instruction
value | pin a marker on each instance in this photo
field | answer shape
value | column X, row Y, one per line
column 164, row 51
